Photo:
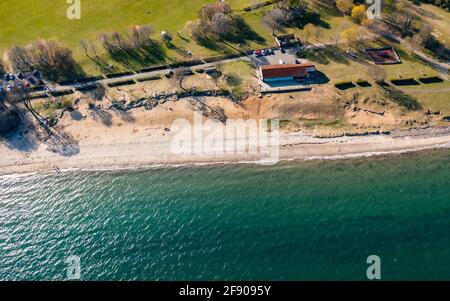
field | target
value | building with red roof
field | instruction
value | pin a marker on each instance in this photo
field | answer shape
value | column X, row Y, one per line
column 287, row 71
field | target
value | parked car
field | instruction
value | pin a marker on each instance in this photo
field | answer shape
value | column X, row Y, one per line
column 258, row 53
column 37, row 74
column 270, row 52
column 31, row 81
column 9, row 77
column 9, row 88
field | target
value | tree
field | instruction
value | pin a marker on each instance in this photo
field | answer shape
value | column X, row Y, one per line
column 19, row 59
column 216, row 21
column 140, row 36
column 361, row 34
column 221, row 25
column 415, row 42
column 344, row 6
column 358, row 13
column 425, row 34
column 309, row 30
column 48, row 56
column 318, row 33
column 275, row 19
column 350, row 34
column 405, row 22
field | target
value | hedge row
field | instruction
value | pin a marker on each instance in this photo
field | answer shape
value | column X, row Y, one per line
column 120, row 74
column 430, row 80
column 404, row 82
column 149, row 78
column 122, row 83
column 62, row 93
column 363, row 83
column 81, row 80
column 87, row 88
column 344, row 85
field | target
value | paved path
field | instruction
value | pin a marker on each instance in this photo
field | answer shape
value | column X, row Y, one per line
column 443, row 69
column 133, row 77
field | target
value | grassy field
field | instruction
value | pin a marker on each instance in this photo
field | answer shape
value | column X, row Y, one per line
column 28, row 20
column 439, row 19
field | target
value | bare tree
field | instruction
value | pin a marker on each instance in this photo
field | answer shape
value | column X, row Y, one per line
column 140, row 36
column 53, row 59
column 318, row 33
column 19, row 59
column 415, row 42
column 309, row 30
column 221, row 24
column 275, row 19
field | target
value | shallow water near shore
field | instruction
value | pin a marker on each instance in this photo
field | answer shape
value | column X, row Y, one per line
column 315, row 220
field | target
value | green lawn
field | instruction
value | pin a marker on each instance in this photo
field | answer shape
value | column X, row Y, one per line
column 25, row 21
column 439, row 19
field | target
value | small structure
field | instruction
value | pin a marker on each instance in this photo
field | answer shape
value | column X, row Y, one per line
column 287, row 40
column 271, row 73
column 383, row 56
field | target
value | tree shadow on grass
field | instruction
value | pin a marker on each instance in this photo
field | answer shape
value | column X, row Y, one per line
column 242, row 34
column 402, row 99
column 309, row 17
column 140, row 57
column 68, row 72
column 326, row 6
column 326, row 55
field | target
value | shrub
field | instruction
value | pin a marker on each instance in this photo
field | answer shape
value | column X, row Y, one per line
column 358, row 13
column 405, row 82
column 430, row 80
column 363, row 83
column 344, row 85
column 122, row 83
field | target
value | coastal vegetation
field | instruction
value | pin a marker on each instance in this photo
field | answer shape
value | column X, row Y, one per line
column 147, row 35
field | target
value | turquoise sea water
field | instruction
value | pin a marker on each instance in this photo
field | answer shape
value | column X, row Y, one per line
column 296, row 221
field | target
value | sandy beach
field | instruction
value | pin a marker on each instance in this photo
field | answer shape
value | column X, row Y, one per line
column 146, row 149
column 140, row 138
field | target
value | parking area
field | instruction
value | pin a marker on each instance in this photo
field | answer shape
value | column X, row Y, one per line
column 277, row 57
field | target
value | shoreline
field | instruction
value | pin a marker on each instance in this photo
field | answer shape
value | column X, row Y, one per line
column 154, row 153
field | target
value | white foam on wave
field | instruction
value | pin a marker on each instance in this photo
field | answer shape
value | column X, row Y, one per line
column 230, row 162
